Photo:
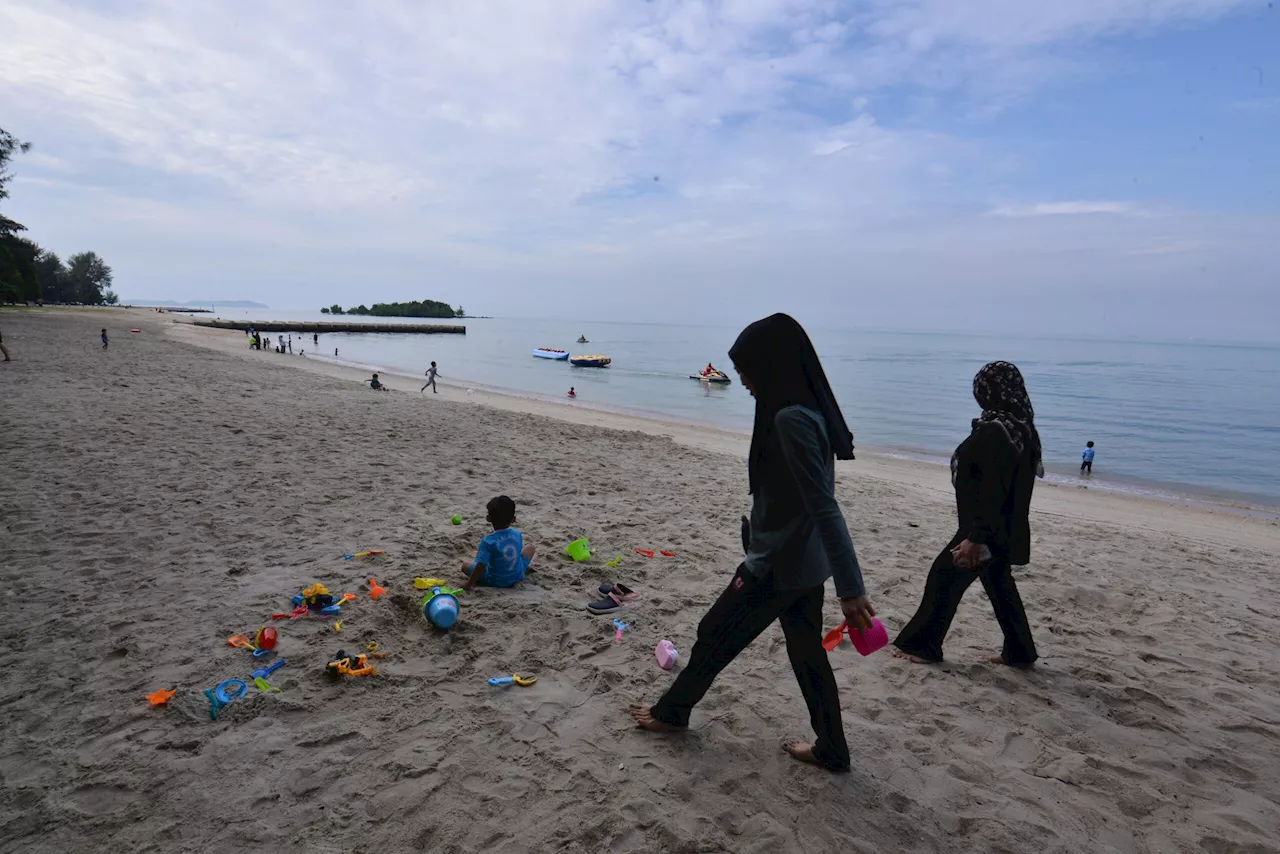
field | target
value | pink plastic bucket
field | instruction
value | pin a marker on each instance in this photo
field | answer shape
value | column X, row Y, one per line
column 870, row 640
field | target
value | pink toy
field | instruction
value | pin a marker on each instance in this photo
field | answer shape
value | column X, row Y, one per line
column 870, row 640
column 666, row 653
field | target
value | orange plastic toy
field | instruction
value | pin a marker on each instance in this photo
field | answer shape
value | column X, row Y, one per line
column 666, row 553
column 645, row 552
column 159, row 698
column 352, row 666
column 376, row 589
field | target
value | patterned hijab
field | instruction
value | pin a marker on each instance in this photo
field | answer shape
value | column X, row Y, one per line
column 1002, row 394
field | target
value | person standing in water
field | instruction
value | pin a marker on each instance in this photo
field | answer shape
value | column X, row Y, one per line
column 315, row 338
column 1086, row 459
column 432, row 373
column 796, row 540
column 993, row 472
column 572, row 393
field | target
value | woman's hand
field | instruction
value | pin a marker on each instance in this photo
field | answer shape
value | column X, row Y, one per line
column 967, row 555
column 858, row 611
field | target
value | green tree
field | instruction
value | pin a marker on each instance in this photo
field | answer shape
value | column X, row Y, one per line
column 460, row 312
column 324, row 310
column 88, row 276
column 53, row 277
column 110, row 298
column 9, row 145
column 335, row 309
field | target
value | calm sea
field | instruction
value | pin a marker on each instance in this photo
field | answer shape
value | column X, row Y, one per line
column 1186, row 418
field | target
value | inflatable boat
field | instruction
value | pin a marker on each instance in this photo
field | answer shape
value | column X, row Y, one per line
column 590, row 361
column 549, row 353
column 716, row 377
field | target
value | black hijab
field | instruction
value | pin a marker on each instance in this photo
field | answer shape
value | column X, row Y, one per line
column 999, row 389
column 778, row 358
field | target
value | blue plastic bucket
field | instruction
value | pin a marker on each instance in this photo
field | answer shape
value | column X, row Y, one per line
column 441, row 610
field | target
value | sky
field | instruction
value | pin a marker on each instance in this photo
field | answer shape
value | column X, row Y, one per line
column 1101, row 166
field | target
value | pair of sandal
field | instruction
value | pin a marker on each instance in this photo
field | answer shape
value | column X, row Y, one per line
column 617, row 597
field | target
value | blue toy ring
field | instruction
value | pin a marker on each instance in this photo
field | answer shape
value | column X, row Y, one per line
column 232, row 689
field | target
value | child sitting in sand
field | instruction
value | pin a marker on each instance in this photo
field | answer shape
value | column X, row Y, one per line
column 376, row 384
column 503, row 558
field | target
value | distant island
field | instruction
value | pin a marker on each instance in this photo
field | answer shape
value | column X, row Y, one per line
column 425, row 308
column 212, row 303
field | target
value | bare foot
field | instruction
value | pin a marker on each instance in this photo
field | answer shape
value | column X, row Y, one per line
column 999, row 659
column 906, row 656
column 645, row 720
column 801, row 750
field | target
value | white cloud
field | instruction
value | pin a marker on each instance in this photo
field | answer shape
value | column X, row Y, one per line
column 1064, row 209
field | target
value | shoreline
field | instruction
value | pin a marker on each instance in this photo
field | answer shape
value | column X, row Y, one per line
column 710, row 437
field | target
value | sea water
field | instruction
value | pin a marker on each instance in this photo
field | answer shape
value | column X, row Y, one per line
column 1191, row 417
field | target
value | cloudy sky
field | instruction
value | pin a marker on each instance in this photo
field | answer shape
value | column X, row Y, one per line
column 1102, row 165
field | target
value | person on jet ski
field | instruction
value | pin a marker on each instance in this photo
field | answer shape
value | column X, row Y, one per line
column 709, row 370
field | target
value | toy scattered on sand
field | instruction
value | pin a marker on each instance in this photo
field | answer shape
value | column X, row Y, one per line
column 369, row 553
column 350, row 665
column 266, row 638
column 645, row 552
column 578, row 549
column 265, row 687
column 457, row 519
column 159, row 698
column 428, row 583
column 513, row 679
column 619, row 628
column 864, row 641
column 265, row 672
column 224, row 695
column 441, row 607
column 613, row 564
column 666, row 654
column 375, row 589
column 242, row 641
column 651, row 552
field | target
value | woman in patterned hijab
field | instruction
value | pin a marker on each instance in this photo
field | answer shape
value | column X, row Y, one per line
column 993, row 472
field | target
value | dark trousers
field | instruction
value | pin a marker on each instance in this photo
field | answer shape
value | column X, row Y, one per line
column 947, row 583
column 745, row 609
column 1087, row 465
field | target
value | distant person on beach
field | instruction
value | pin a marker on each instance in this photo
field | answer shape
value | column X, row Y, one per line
column 315, row 338
column 1086, row 464
column 993, row 472
column 5, row 350
column 377, row 384
column 290, row 343
column 105, row 342
column 572, row 393
column 432, row 373
column 335, row 351
column 797, row 539
column 281, row 349
column 503, row 557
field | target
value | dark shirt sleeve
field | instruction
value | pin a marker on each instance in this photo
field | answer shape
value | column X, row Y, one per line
column 992, row 461
column 807, row 452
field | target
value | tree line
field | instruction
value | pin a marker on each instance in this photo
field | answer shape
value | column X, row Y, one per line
column 30, row 273
column 423, row 308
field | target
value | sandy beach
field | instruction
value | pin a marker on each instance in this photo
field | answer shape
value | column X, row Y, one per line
column 177, row 489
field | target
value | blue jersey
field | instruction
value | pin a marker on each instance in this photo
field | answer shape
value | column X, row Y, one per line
column 500, row 552
column 1088, row 455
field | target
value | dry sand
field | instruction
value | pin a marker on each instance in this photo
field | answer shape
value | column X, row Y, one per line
column 160, row 497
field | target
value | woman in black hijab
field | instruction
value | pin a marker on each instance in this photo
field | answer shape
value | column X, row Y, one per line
column 993, row 472
column 795, row 541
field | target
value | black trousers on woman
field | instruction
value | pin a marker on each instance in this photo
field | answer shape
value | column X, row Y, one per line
column 947, row 583
column 745, row 609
